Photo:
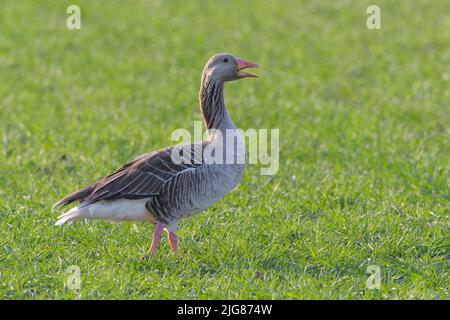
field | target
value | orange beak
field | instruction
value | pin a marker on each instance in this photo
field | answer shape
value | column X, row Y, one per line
column 242, row 64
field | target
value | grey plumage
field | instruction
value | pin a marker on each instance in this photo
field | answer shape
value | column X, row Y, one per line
column 171, row 190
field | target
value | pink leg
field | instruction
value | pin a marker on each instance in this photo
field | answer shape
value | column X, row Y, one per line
column 156, row 237
column 173, row 240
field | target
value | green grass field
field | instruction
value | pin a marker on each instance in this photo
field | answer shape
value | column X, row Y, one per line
column 364, row 155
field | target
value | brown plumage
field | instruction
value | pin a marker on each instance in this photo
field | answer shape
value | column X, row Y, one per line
column 157, row 189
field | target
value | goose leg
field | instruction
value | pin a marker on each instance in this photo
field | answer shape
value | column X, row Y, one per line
column 173, row 240
column 156, row 237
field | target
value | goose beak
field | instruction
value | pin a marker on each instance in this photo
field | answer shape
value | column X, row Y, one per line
column 243, row 64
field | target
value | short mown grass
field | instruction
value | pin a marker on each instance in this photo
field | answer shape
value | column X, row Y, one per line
column 364, row 156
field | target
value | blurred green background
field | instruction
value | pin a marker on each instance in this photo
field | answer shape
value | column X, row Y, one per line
column 363, row 118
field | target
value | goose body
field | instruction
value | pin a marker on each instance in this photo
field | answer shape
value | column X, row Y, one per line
column 157, row 189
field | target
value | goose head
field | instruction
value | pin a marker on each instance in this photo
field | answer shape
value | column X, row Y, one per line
column 226, row 67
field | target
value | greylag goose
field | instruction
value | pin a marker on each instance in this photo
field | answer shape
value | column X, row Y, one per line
column 157, row 189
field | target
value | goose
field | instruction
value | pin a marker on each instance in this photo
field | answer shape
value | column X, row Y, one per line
column 162, row 189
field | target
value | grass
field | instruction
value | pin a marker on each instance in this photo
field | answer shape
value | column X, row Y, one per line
column 364, row 123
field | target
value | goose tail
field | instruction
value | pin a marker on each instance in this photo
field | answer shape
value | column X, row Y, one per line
column 73, row 214
column 79, row 195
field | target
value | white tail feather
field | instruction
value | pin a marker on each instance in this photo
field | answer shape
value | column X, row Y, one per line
column 72, row 214
column 113, row 211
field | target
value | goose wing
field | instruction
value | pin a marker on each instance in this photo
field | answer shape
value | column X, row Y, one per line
column 141, row 178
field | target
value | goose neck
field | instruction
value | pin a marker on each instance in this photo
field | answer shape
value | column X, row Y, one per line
column 212, row 105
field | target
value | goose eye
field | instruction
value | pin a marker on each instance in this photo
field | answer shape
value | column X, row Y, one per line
column 225, row 60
